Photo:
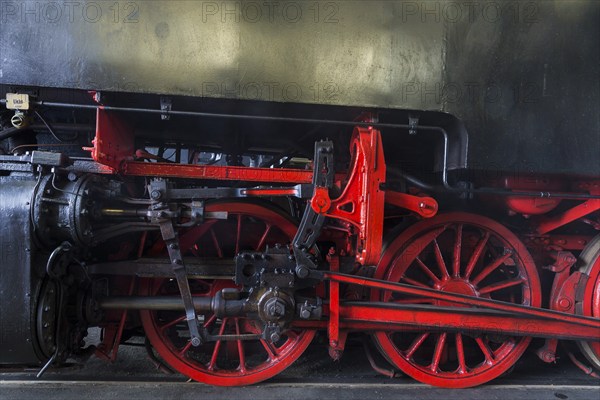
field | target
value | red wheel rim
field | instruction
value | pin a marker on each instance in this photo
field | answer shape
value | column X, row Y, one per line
column 458, row 253
column 590, row 306
column 224, row 363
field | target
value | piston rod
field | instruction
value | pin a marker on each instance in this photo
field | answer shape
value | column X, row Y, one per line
column 222, row 304
column 202, row 304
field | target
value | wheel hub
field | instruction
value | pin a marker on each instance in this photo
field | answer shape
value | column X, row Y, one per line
column 457, row 286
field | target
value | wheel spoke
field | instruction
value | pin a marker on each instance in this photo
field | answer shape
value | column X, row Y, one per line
column 210, row 321
column 216, row 243
column 457, row 249
column 440, row 260
column 240, row 347
column 270, row 352
column 460, row 354
column 291, row 334
column 485, row 349
column 437, row 354
column 427, row 271
column 501, row 285
column 238, row 234
column 172, row 323
column 415, row 345
column 414, row 282
column 476, row 254
column 263, row 238
column 213, row 359
column 185, row 348
column 491, row 267
column 190, row 238
column 203, row 282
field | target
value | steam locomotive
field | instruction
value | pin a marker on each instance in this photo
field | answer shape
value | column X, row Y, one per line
column 227, row 198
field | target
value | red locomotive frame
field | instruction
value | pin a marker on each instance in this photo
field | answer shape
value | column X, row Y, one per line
column 453, row 306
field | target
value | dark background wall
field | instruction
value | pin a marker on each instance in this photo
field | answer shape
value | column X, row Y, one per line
column 523, row 76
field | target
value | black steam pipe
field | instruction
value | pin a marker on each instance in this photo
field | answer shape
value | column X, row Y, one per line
column 490, row 191
column 229, row 116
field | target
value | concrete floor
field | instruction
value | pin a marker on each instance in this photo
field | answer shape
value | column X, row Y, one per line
column 313, row 376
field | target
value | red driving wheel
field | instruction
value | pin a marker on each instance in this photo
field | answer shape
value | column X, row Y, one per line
column 457, row 253
column 590, row 305
column 224, row 362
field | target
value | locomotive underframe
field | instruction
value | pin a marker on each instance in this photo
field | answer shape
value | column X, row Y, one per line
column 282, row 290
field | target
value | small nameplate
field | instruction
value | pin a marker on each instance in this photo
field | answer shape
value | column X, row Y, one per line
column 15, row 101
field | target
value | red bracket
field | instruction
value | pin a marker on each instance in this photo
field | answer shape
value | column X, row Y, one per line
column 562, row 296
column 361, row 202
column 113, row 143
column 581, row 210
column 426, row 207
column 337, row 337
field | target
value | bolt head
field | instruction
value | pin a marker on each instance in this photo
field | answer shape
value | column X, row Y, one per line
column 275, row 337
column 275, row 307
column 302, row 271
column 276, row 310
column 564, row 303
